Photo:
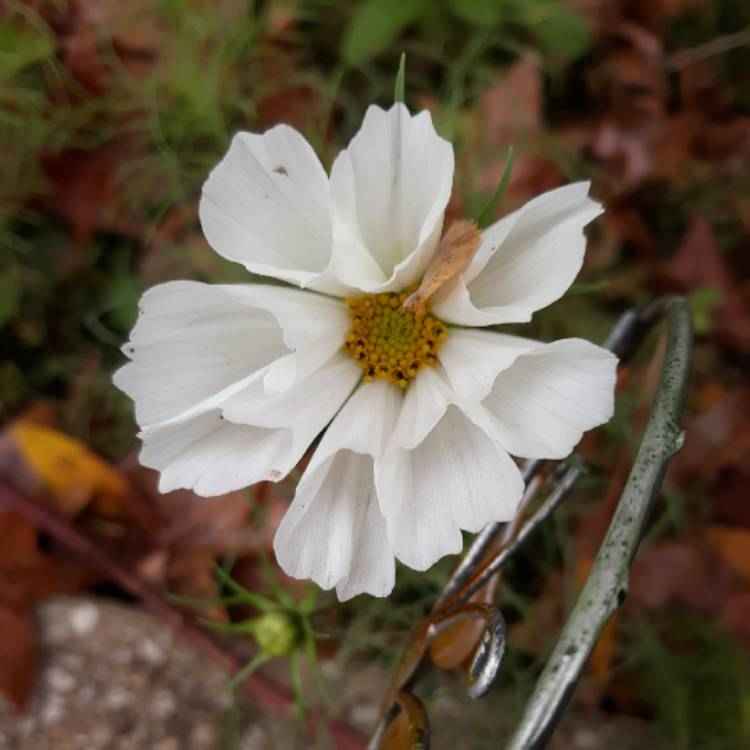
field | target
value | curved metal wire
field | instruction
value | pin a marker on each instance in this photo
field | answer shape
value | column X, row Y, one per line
column 607, row 583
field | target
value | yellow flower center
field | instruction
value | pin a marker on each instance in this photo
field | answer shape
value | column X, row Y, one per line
column 389, row 342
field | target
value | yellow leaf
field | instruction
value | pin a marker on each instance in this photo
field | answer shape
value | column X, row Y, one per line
column 67, row 468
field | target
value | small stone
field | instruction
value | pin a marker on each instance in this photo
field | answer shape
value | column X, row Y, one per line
column 168, row 743
column 59, row 632
column 84, row 618
column 202, row 736
column 163, row 704
column 151, row 652
column 364, row 714
column 122, row 656
column 53, row 710
column 86, row 694
column 101, row 737
column 118, row 698
column 60, row 680
column 25, row 726
column 255, row 739
column 330, row 669
column 72, row 662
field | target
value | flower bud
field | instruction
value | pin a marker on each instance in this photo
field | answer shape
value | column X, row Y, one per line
column 276, row 633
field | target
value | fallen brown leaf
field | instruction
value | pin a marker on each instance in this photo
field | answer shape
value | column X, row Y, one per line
column 512, row 108
column 684, row 573
column 732, row 546
column 88, row 190
column 699, row 262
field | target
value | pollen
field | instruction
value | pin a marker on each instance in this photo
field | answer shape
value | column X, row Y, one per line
column 389, row 342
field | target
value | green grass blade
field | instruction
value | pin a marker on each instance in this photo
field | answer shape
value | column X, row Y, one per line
column 489, row 212
column 254, row 664
column 249, row 597
column 399, row 90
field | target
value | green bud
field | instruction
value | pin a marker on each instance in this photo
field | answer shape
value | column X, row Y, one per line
column 276, row 633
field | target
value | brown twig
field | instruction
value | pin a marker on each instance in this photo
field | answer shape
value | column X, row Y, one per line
column 268, row 693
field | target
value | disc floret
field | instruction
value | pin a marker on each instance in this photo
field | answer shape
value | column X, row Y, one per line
column 389, row 342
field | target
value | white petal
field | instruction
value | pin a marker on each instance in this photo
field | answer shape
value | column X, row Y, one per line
column 304, row 409
column 192, row 341
column 211, row 456
column 247, row 436
column 304, row 316
column 473, row 359
column 549, row 397
column 390, row 188
column 456, row 478
column 325, row 534
column 526, row 261
column 331, row 531
column 373, row 567
column 267, row 205
column 365, row 424
column 314, row 328
column 352, row 262
column 425, row 402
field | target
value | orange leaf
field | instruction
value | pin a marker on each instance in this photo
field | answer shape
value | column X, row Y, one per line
column 69, row 471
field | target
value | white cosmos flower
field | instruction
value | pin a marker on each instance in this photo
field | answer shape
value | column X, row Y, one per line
column 233, row 383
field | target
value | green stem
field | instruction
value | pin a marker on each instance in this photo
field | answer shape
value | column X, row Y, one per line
column 254, row 664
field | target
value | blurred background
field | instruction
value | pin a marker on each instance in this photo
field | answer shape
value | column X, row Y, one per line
column 111, row 115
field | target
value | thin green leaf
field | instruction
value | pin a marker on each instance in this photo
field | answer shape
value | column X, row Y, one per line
column 307, row 605
column 295, row 673
column 256, row 600
column 399, row 91
column 488, row 214
column 206, row 602
column 271, row 579
column 593, row 287
column 308, row 637
column 254, row 664
column 227, row 627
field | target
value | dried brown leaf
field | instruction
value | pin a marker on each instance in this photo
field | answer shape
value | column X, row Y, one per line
column 699, row 262
column 512, row 108
column 88, row 190
column 455, row 251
